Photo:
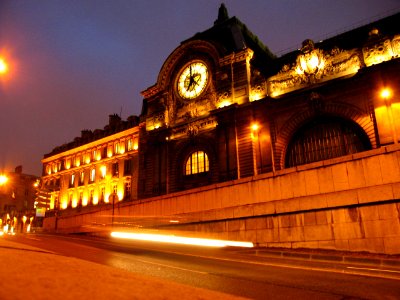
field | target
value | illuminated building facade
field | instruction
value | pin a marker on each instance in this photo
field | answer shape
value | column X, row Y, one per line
column 300, row 150
column 17, row 196
column 224, row 107
column 90, row 170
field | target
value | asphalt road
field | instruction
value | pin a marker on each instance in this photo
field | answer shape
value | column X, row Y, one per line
column 225, row 270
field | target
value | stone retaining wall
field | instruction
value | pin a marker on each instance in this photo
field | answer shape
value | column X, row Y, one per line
column 347, row 203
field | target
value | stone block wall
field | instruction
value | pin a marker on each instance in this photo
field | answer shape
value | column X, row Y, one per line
column 347, row 203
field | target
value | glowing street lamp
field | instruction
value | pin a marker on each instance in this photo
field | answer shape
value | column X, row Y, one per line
column 386, row 94
column 3, row 66
column 3, row 179
column 255, row 131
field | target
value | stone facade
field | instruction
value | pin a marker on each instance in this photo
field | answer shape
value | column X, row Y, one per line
column 295, row 151
column 333, row 204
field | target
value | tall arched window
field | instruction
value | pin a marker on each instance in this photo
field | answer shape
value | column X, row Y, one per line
column 197, row 162
column 325, row 138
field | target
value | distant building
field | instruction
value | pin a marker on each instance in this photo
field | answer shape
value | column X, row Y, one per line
column 288, row 151
column 17, row 195
column 94, row 166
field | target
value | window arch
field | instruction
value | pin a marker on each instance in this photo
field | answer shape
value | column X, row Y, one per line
column 325, row 138
column 197, row 162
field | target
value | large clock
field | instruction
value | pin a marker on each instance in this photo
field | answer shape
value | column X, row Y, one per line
column 192, row 80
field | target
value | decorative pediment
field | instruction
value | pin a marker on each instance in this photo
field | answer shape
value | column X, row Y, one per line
column 382, row 50
column 314, row 66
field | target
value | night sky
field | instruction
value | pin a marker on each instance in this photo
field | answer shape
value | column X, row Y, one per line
column 74, row 62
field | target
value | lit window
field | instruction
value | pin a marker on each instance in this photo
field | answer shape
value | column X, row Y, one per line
column 92, row 175
column 78, row 161
column 72, row 181
column 115, row 171
column 82, row 178
column 197, row 163
column 94, row 154
column 103, row 170
column 135, row 144
column 48, row 169
column 87, row 158
column 129, row 144
column 128, row 190
column 116, row 148
column 67, row 163
column 109, row 151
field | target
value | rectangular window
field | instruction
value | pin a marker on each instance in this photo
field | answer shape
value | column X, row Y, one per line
column 94, row 155
column 72, row 181
column 91, row 197
column 127, row 190
column 115, row 189
column 115, row 171
column 109, row 151
column 129, row 144
column 103, row 170
column 82, row 178
column 104, row 152
column 127, row 167
column 116, row 148
column 78, row 161
column 92, row 175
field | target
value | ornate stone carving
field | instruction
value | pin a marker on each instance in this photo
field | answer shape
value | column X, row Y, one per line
column 155, row 121
column 378, row 52
column 193, row 128
column 224, row 99
column 396, row 46
column 314, row 66
column 258, row 91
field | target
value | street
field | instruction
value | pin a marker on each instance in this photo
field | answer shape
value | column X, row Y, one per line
column 226, row 270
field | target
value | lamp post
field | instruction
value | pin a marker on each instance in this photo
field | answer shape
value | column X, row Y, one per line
column 255, row 137
column 112, row 198
column 386, row 94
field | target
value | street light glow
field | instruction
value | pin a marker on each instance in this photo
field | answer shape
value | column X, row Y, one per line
column 386, row 93
column 254, row 127
column 3, row 66
column 3, row 179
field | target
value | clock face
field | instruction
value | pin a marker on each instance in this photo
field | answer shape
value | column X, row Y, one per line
column 192, row 80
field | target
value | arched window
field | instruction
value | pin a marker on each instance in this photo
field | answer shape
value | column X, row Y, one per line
column 325, row 138
column 197, row 163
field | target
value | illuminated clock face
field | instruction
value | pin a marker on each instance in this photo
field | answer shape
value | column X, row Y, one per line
column 193, row 80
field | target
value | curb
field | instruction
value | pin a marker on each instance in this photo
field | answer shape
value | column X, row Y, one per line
column 347, row 258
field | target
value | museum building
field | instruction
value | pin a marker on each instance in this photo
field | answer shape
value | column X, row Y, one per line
column 224, row 108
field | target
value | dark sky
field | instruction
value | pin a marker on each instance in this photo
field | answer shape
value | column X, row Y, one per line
column 74, row 62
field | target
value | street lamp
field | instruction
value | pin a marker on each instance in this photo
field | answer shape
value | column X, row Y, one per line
column 3, row 66
column 386, row 94
column 3, row 179
column 255, row 128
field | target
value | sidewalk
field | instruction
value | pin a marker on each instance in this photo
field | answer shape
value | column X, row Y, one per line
column 32, row 273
